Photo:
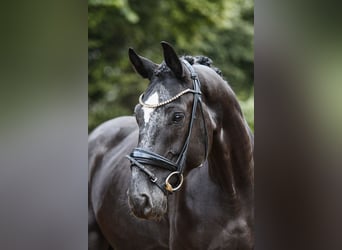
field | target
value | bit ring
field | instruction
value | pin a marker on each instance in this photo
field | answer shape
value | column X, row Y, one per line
column 168, row 186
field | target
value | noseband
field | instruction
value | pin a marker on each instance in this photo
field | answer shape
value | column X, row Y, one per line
column 140, row 156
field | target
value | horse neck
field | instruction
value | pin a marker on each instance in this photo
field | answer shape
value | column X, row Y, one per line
column 231, row 156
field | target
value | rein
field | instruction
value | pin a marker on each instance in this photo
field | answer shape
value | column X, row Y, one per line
column 140, row 156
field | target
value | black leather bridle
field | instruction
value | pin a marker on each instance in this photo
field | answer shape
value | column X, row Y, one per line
column 139, row 157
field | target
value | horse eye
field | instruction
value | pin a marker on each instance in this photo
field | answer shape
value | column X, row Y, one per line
column 177, row 117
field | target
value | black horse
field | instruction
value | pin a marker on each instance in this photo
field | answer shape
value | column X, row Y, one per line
column 178, row 175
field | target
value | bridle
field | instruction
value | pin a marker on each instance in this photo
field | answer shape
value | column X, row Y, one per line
column 140, row 156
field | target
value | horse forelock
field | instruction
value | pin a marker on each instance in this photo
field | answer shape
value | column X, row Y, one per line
column 163, row 68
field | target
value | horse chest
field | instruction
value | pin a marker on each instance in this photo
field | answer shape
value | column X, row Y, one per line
column 203, row 219
column 210, row 231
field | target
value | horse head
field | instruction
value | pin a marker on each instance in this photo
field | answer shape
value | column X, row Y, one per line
column 175, row 131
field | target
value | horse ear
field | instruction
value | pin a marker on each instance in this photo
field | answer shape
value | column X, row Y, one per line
column 172, row 60
column 142, row 65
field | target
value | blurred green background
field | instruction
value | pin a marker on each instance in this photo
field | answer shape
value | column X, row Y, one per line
column 222, row 30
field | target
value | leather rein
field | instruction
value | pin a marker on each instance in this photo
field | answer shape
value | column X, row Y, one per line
column 139, row 157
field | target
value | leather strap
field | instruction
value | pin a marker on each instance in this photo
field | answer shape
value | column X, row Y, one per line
column 150, row 158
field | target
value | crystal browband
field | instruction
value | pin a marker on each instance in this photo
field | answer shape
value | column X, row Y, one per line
column 156, row 105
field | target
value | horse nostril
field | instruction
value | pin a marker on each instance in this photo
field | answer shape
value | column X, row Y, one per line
column 147, row 205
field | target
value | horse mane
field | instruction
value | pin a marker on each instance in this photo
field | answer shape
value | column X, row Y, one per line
column 203, row 60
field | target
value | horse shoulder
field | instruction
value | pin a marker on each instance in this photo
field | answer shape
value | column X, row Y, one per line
column 103, row 143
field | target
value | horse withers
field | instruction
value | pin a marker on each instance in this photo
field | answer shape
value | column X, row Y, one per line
column 179, row 175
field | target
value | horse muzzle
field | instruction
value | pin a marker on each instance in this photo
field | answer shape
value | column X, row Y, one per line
column 146, row 201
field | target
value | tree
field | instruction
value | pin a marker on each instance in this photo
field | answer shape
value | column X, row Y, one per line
column 221, row 30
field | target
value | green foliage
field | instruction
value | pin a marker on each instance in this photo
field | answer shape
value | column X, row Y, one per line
column 247, row 107
column 221, row 30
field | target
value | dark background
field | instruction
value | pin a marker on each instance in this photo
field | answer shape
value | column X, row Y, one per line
column 44, row 125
